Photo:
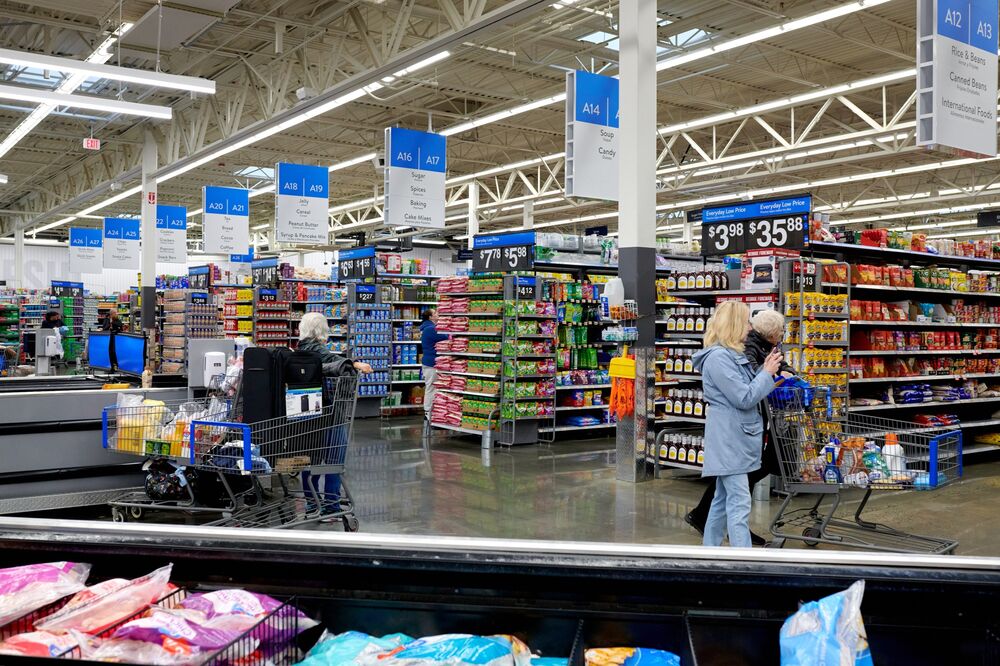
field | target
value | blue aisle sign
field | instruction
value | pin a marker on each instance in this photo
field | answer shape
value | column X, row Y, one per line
column 592, row 116
column 416, row 163
column 226, row 217
column 86, row 250
column 121, row 243
column 242, row 258
column 957, row 75
column 171, row 234
column 756, row 225
column 302, row 204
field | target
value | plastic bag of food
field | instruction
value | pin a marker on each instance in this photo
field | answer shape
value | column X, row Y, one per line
column 28, row 588
column 352, row 648
column 630, row 657
column 38, row 644
column 829, row 631
column 459, row 649
column 242, row 609
column 112, row 602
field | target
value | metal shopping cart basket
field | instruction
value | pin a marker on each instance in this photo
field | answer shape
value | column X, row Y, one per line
column 822, row 456
column 162, row 431
column 297, row 449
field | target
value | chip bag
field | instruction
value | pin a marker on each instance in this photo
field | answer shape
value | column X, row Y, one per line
column 829, row 631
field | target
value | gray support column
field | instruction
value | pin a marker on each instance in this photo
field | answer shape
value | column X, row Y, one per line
column 149, row 240
column 19, row 258
column 637, row 219
column 473, row 212
column 528, row 214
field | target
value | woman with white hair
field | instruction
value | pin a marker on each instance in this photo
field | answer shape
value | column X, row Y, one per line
column 313, row 336
column 768, row 329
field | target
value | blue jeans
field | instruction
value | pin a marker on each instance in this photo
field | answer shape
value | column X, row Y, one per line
column 327, row 485
column 730, row 509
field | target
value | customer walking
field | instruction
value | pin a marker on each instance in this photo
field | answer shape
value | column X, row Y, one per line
column 768, row 330
column 734, row 425
column 429, row 337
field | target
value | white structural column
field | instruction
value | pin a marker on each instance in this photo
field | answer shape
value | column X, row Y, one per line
column 528, row 214
column 637, row 220
column 18, row 258
column 148, row 264
column 473, row 211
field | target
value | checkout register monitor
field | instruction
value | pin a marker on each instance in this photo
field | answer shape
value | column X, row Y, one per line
column 130, row 353
column 100, row 351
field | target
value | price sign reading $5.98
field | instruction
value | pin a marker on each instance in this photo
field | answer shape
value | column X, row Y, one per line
column 502, row 259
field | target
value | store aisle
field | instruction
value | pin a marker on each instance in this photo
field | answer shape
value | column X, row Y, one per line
column 406, row 484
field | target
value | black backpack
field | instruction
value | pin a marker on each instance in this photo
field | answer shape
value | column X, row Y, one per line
column 303, row 369
column 263, row 390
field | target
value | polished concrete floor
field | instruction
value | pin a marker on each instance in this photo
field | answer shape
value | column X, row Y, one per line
column 405, row 482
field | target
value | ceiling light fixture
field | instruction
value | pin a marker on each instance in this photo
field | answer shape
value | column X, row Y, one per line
column 36, row 96
column 503, row 115
column 98, row 70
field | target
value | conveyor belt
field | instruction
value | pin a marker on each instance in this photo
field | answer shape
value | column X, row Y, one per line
column 65, row 383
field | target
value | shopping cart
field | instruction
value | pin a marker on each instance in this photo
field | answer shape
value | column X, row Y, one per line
column 311, row 440
column 822, row 456
column 162, row 432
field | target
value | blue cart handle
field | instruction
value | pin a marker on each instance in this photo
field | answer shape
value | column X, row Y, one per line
column 247, row 461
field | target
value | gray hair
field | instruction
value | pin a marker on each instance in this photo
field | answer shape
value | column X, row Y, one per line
column 768, row 323
column 313, row 326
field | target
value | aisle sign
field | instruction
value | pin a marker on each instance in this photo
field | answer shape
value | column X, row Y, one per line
column 414, row 178
column 357, row 263
column 121, row 243
column 242, row 258
column 756, row 225
column 302, row 204
column 171, row 234
column 226, row 219
column 86, row 251
column 957, row 75
column 591, row 136
column 503, row 253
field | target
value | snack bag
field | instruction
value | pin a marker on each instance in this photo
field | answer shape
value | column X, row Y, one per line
column 829, row 631
column 38, row 644
column 352, row 648
column 449, row 649
column 28, row 588
column 630, row 657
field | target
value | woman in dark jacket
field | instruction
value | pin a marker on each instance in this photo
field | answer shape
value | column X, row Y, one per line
column 313, row 335
column 768, row 330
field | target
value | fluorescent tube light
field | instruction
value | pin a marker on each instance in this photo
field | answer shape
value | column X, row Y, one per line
column 84, row 102
column 354, row 161
column 503, row 115
column 94, row 70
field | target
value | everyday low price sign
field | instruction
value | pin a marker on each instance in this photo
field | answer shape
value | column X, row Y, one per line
column 226, row 219
column 756, row 225
column 357, row 263
column 301, row 204
column 503, row 253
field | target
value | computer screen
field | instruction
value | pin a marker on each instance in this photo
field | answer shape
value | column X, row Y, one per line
column 99, row 351
column 130, row 353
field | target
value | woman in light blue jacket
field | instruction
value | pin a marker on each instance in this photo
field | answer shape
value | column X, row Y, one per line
column 733, row 428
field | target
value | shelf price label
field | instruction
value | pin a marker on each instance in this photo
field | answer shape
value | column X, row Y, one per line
column 357, row 263
column 503, row 253
column 267, row 295
column 364, row 293
column 756, row 225
column 526, row 288
column 198, row 277
column 67, row 288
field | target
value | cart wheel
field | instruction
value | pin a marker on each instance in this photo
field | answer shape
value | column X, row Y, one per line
column 813, row 534
column 351, row 524
column 118, row 516
column 135, row 512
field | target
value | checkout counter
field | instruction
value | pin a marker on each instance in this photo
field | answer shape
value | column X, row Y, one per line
column 708, row 605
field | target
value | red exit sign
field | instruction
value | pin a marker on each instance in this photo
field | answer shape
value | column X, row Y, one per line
column 90, row 143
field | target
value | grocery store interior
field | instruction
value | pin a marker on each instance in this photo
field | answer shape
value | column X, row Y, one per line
column 355, row 331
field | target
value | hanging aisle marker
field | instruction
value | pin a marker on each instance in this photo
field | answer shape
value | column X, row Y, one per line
column 415, row 166
column 86, row 250
column 301, row 204
column 121, row 243
column 591, row 136
column 171, row 234
column 226, row 219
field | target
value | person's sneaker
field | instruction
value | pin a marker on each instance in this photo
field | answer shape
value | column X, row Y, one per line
column 757, row 540
column 691, row 520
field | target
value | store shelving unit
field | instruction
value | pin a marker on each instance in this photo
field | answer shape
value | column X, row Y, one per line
column 9, row 322
column 370, row 341
column 316, row 295
column 408, row 295
column 271, row 318
column 237, row 312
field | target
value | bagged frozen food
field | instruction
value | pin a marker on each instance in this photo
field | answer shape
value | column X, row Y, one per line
column 241, row 609
column 38, row 644
column 28, row 588
column 352, row 648
column 113, row 602
column 459, row 649
column 829, row 631
column 630, row 657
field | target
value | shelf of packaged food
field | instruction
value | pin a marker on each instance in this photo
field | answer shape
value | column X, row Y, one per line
column 846, row 249
column 463, row 294
column 405, row 320
column 675, row 335
column 468, row 374
column 585, row 323
column 407, row 365
column 406, row 406
column 663, row 462
column 679, row 304
column 924, row 352
column 529, row 356
column 821, row 315
column 917, row 290
column 469, row 354
column 923, row 324
column 568, row 428
column 230, row 285
column 529, row 377
column 470, row 314
column 580, row 301
column 413, row 302
column 237, row 316
column 682, row 377
column 586, row 345
column 676, row 418
column 530, row 398
column 492, row 334
column 493, row 396
column 560, row 408
column 532, row 336
column 569, row 387
column 918, row 379
column 409, row 275
column 923, row 405
column 818, row 343
column 237, row 302
column 535, row 317
column 824, row 371
column 317, row 302
column 694, row 293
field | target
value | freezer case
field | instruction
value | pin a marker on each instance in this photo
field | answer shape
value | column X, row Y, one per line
column 710, row 606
